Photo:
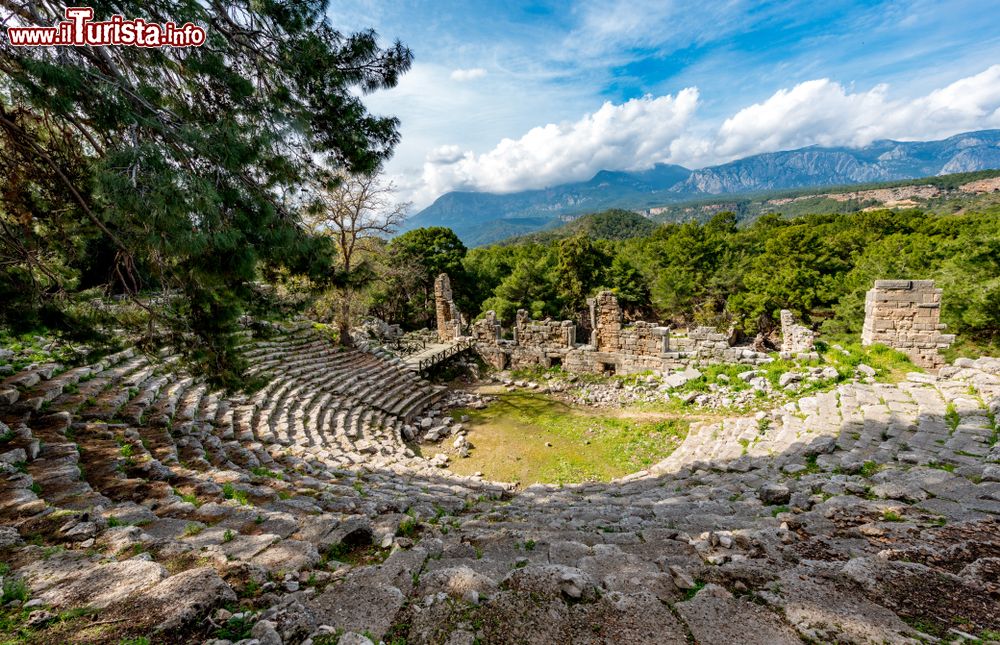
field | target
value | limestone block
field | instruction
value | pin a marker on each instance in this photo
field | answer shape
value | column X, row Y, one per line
column 905, row 315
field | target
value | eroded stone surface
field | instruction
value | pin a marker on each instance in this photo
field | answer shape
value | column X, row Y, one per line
column 358, row 607
column 715, row 616
column 103, row 584
column 821, row 519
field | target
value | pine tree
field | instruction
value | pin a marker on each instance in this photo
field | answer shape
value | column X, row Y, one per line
column 186, row 164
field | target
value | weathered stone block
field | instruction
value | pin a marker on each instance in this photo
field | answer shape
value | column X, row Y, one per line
column 905, row 314
column 894, row 284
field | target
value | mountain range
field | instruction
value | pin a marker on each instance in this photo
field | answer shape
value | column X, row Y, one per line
column 482, row 218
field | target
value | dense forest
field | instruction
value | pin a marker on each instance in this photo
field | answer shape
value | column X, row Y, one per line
column 717, row 273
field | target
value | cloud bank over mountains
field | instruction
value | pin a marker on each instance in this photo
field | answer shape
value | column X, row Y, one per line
column 644, row 131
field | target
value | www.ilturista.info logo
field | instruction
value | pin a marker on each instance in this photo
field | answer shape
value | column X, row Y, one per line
column 79, row 30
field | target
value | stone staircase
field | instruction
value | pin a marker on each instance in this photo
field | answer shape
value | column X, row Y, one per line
column 814, row 522
column 131, row 457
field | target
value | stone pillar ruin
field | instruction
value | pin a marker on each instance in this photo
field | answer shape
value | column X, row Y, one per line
column 795, row 338
column 607, row 319
column 906, row 315
column 486, row 333
column 449, row 321
column 521, row 319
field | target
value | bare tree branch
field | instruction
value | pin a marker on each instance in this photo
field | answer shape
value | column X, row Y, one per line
column 356, row 210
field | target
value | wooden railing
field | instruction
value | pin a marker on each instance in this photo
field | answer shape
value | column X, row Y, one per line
column 457, row 347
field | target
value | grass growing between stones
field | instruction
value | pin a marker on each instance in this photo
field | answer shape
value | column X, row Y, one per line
column 510, row 439
column 891, row 365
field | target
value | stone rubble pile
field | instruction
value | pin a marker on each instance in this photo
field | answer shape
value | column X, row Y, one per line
column 755, row 389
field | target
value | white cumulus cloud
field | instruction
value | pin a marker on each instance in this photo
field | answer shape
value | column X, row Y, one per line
column 445, row 155
column 824, row 112
column 635, row 134
column 472, row 74
column 644, row 131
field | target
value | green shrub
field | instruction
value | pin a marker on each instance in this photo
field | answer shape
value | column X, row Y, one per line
column 231, row 492
column 14, row 589
column 408, row 527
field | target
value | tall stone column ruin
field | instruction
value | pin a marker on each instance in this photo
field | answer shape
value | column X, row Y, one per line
column 906, row 315
column 796, row 339
column 449, row 321
column 607, row 321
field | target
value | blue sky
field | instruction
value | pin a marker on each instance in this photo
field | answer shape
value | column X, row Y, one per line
column 512, row 95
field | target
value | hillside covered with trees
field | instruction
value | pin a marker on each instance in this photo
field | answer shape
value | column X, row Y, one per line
column 717, row 273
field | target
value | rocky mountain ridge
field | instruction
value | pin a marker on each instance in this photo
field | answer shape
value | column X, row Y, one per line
column 482, row 218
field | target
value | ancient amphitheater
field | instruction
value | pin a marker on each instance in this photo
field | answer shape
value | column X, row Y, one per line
column 140, row 506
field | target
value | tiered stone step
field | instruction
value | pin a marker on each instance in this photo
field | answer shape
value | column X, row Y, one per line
column 152, row 493
column 334, row 407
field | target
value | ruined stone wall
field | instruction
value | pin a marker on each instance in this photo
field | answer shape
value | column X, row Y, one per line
column 614, row 346
column 487, row 330
column 489, row 344
column 606, row 321
column 903, row 314
column 497, row 356
column 547, row 334
column 906, row 315
column 707, row 341
column 708, row 345
column 796, row 339
column 587, row 359
column 543, row 343
column 644, row 339
column 612, row 336
column 449, row 321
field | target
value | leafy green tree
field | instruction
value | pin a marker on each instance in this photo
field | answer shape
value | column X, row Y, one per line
column 819, row 266
column 614, row 224
column 415, row 259
column 962, row 254
column 40, row 255
column 722, row 224
column 629, row 285
column 898, row 256
column 486, row 267
column 190, row 163
column 970, row 278
column 580, row 267
column 529, row 287
column 686, row 256
column 437, row 249
column 793, row 272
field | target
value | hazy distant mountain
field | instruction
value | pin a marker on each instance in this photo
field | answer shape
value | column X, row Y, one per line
column 481, row 218
column 878, row 161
